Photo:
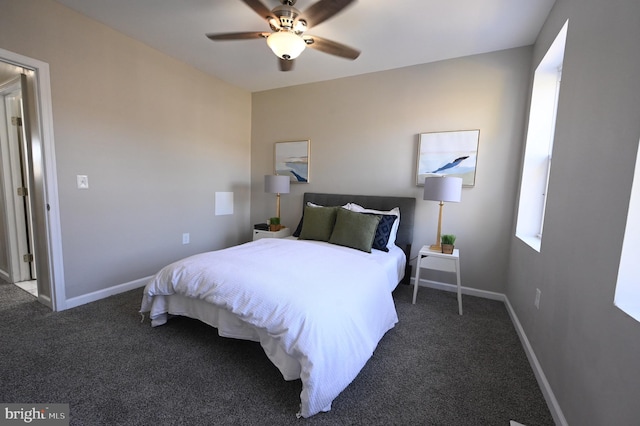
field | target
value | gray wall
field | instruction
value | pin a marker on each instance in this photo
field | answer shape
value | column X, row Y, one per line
column 364, row 134
column 588, row 348
column 156, row 137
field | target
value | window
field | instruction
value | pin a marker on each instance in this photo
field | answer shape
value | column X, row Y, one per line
column 627, row 295
column 539, row 145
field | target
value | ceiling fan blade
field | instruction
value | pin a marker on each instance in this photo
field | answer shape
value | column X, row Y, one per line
column 331, row 47
column 259, row 8
column 237, row 36
column 286, row 64
column 323, row 10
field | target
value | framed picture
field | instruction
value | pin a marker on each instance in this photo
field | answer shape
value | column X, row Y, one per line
column 292, row 159
column 452, row 153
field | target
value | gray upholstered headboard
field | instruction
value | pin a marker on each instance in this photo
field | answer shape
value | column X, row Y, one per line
column 407, row 207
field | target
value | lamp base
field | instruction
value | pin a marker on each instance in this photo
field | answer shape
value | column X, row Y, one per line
column 435, row 247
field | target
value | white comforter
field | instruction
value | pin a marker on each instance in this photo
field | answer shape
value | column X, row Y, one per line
column 326, row 306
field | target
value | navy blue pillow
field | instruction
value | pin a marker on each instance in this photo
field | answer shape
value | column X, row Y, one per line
column 296, row 233
column 383, row 232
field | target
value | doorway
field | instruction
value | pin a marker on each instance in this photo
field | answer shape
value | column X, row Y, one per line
column 19, row 266
column 39, row 214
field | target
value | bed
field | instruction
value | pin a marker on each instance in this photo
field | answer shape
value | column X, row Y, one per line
column 318, row 306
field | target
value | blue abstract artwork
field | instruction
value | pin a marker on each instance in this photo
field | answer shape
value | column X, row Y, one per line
column 453, row 153
column 292, row 159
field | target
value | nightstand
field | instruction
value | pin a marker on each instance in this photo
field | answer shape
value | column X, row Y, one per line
column 436, row 260
column 258, row 234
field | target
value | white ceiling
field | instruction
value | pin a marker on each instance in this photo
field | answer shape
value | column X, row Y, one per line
column 390, row 34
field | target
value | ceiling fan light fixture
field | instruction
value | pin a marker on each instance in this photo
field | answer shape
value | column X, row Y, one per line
column 285, row 44
column 274, row 24
column 300, row 26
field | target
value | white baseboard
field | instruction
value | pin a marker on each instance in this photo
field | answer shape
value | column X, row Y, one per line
column 545, row 387
column 552, row 402
column 465, row 290
column 102, row 294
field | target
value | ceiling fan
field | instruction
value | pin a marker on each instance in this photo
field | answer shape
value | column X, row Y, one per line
column 288, row 24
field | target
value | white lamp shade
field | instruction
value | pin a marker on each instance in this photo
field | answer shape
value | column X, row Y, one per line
column 276, row 184
column 285, row 44
column 447, row 189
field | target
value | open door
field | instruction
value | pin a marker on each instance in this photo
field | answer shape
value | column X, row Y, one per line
column 28, row 272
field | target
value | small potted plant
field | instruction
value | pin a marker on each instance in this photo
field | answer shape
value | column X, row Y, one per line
column 274, row 224
column 447, row 242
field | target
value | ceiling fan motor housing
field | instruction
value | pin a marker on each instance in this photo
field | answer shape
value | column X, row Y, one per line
column 287, row 15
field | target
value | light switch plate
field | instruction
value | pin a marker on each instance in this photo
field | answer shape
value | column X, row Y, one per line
column 82, row 181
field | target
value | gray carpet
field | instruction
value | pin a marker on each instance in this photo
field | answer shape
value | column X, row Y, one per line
column 434, row 368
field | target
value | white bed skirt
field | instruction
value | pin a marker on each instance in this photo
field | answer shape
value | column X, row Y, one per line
column 228, row 325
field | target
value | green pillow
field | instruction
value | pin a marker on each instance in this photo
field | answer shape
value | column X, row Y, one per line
column 318, row 223
column 355, row 230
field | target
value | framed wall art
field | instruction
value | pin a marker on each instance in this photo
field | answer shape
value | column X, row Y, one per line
column 453, row 153
column 292, row 159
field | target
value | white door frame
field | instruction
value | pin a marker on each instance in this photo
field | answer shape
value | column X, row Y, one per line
column 53, row 235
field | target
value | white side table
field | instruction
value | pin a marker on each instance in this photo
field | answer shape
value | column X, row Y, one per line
column 430, row 259
column 284, row 232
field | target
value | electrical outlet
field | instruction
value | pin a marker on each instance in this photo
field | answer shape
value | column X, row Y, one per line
column 185, row 238
column 537, row 301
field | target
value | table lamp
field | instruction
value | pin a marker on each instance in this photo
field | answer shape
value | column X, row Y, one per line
column 276, row 184
column 442, row 188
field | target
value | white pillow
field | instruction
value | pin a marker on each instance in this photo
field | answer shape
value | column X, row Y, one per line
column 394, row 229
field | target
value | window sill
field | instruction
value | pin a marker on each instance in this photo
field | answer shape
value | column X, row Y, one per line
column 531, row 240
column 630, row 309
